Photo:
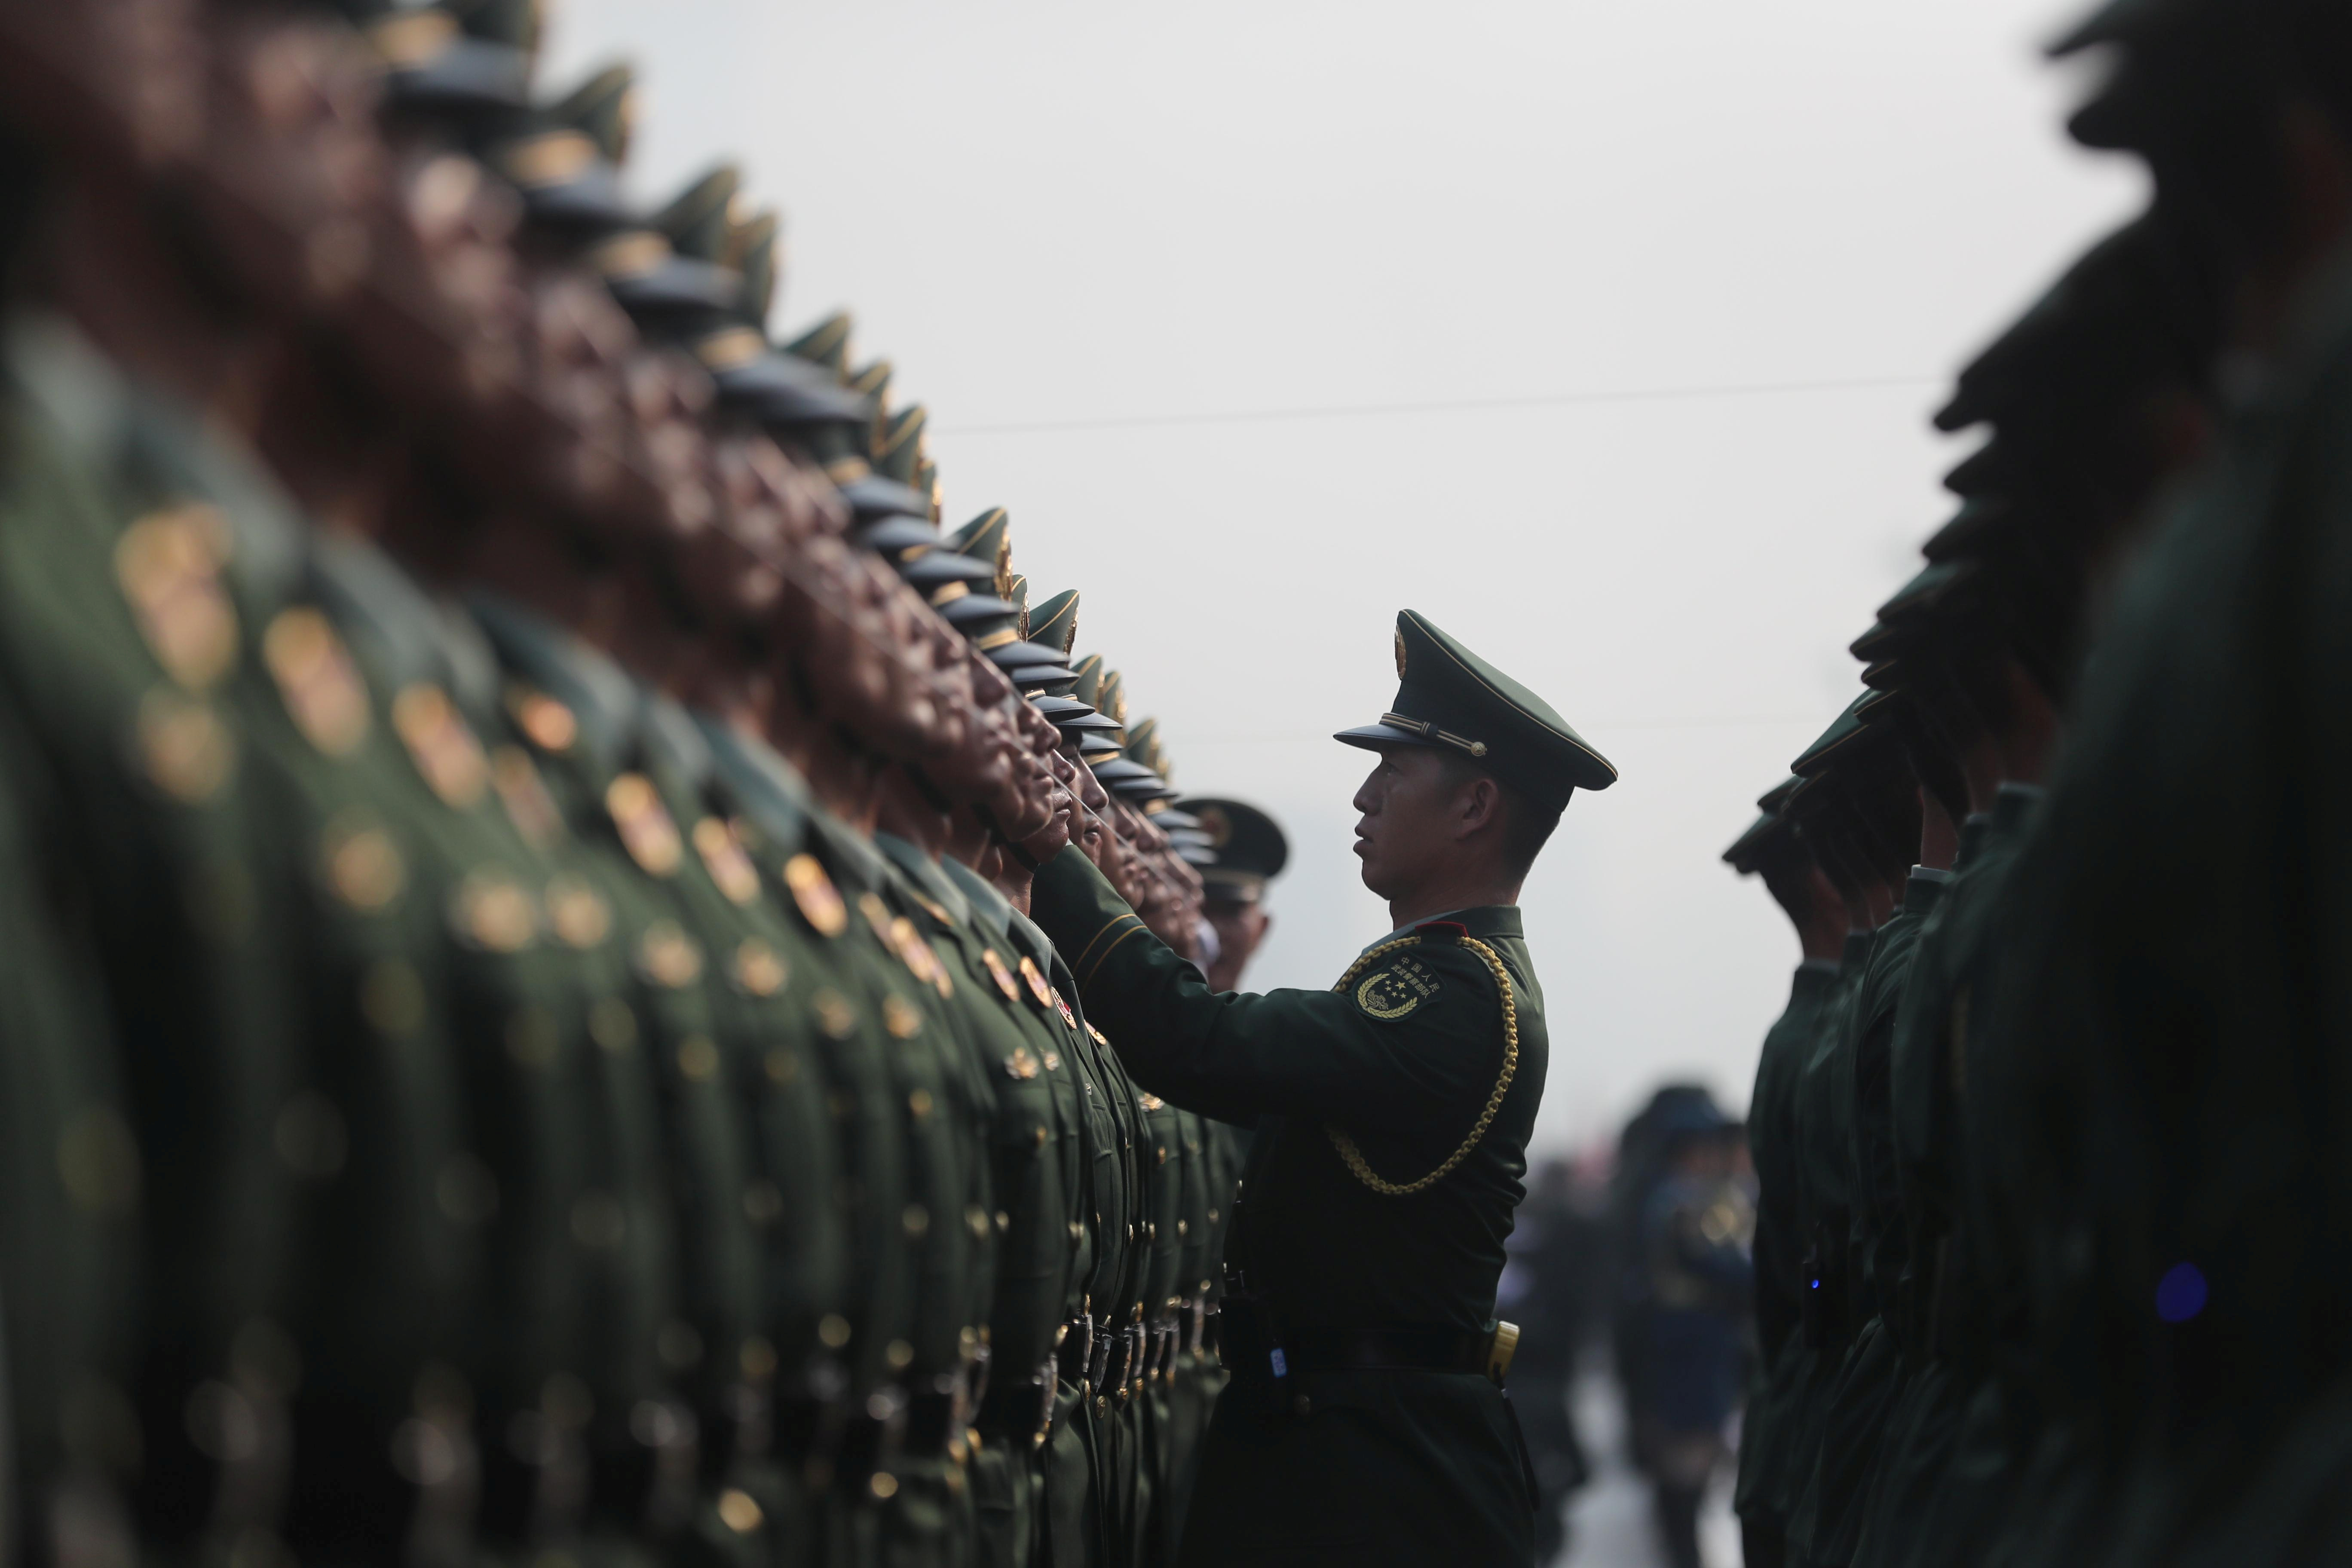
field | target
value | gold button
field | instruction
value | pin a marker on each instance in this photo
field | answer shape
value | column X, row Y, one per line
column 738, row 1511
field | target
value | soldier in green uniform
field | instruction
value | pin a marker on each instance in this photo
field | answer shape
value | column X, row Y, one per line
column 1364, row 1422
column 1245, row 850
column 1773, row 849
column 1842, row 807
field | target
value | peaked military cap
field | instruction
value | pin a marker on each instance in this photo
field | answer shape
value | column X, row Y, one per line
column 1449, row 699
column 1879, row 642
column 696, row 220
column 932, row 570
column 1112, row 697
column 898, row 447
column 1920, row 596
column 434, row 66
column 1125, row 775
column 988, row 537
column 1055, row 622
column 1748, row 849
column 1980, row 523
column 566, row 163
column 1815, row 758
column 826, row 343
column 1247, row 847
column 604, row 108
column 770, row 387
column 753, row 248
column 1089, row 671
column 1143, row 742
column 1775, row 801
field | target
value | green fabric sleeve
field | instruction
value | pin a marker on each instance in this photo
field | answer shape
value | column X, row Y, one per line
column 1428, row 1038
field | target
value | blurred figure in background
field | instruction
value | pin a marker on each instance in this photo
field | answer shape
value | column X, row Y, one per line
column 1246, row 851
column 1550, row 1287
column 1688, row 1280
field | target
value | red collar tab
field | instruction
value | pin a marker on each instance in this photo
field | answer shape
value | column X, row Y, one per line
column 1450, row 930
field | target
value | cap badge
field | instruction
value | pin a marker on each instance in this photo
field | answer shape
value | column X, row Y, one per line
column 1400, row 653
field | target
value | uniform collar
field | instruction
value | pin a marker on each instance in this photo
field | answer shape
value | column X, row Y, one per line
column 2013, row 803
column 607, row 705
column 1926, row 886
column 1856, row 953
column 927, row 875
column 989, row 907
column 1483, row 921
column 771, row 793
column 1973, row 834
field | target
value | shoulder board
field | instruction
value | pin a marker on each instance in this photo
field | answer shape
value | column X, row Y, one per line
column 1441, row 930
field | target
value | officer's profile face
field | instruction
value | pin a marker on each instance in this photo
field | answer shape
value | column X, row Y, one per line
column 1417, row 812
column 1240, row 926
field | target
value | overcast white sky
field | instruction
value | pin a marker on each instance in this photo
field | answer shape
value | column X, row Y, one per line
column 1079, row 228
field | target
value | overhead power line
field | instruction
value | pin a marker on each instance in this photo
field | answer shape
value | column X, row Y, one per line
column 1749, row 721
column 1454, row 406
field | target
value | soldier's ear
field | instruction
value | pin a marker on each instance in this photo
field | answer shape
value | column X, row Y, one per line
column 1481, row 803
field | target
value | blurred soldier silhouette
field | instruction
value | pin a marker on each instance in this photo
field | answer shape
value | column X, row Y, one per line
column 1682, row 1327
column 1548, row 1288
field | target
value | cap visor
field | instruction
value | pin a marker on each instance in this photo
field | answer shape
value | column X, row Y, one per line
column 1372, row 737
column 876, row 497
column 679, row 286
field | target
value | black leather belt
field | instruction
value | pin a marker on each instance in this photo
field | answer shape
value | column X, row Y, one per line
column 1405, row 1348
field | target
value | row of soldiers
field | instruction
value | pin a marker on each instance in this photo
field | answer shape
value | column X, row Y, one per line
column 519, row 1036
column 2049, row 1255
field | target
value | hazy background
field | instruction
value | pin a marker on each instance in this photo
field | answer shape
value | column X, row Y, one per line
column 1652, row 302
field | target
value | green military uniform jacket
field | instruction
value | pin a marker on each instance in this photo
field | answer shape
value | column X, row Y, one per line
column 1386, row 1077
column 1782, row 1355
column 1828, row 1517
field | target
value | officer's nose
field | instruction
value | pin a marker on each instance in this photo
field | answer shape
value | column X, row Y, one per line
column 1368, row 799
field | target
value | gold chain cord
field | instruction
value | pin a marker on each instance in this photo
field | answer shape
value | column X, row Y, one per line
column 1353, row 1158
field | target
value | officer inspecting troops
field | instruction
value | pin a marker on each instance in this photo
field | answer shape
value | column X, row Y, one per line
column 1365, row 1420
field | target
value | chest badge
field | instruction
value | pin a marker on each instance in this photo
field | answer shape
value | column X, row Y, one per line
column 999, row 973
column 1036, row 981
column 1069, row 1019
column 1021, row 1064
column 819, row 900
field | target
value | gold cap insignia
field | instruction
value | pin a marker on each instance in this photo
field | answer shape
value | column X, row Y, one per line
column 1400, row 653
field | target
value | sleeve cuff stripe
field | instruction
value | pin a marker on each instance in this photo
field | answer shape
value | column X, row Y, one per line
column 1106, row 952
column 1079, row 962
